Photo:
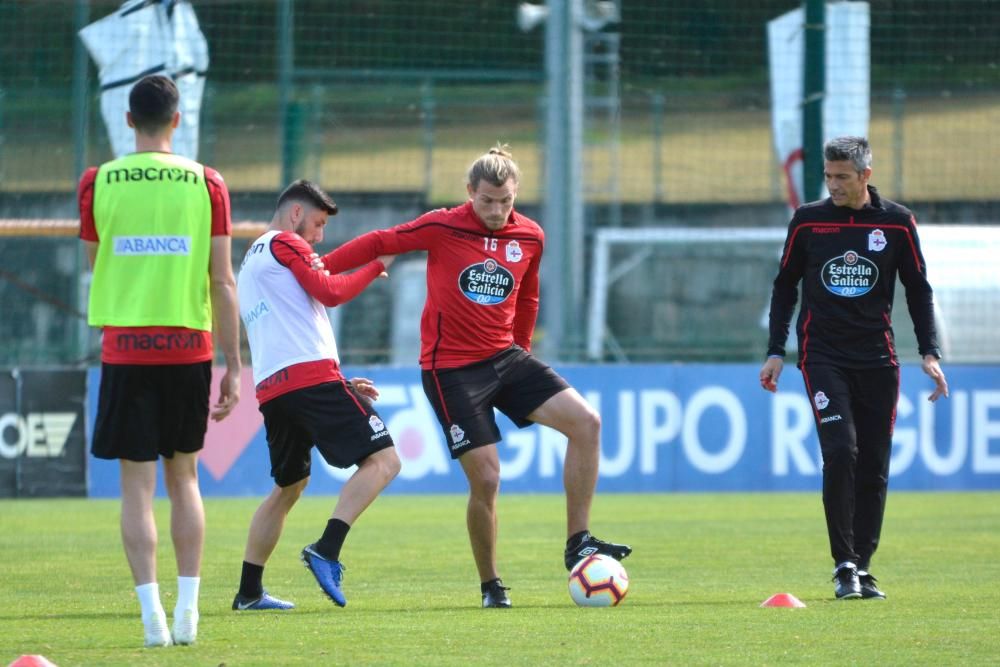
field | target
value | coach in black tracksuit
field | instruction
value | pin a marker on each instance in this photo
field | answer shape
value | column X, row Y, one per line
column 847, row 251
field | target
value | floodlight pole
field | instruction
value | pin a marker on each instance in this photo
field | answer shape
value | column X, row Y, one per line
column 562, row 270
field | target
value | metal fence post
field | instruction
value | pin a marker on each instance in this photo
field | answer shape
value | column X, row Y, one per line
column 427, row 108
column 288, row 115
column 658, row 103
column 813, row 93
column 563, row 180
column 898, row 109
column 81, row 113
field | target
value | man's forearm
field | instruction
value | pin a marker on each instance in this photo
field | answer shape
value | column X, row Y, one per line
column 227, row 322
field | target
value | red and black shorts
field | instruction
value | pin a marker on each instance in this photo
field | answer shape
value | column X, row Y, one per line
column 513, row 382
column 333, row 417
column 148, row 411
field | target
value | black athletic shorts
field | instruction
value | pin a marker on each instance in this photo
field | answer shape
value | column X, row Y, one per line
column 148, row 411
column 333, row 417
column 513, row 382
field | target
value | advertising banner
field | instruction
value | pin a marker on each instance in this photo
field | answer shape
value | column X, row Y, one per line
column 146, row 37
column 42, row 447
column 697, row 427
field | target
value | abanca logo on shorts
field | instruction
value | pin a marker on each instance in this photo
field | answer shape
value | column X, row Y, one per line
column 377, row 426
column 457, row 436
column 849, row 275
column 487, row 283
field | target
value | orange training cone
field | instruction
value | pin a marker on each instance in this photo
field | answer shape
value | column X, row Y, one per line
column 32, row 661
column 783, row 600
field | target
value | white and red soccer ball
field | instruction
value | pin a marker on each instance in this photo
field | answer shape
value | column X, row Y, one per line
column 598, row 581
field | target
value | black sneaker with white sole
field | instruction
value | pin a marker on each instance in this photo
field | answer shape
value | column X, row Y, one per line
column 869, row 589
column 495, row 595
column 848, row 587
column 589, row 545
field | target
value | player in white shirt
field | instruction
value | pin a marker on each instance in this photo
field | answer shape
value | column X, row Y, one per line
column 304, row 397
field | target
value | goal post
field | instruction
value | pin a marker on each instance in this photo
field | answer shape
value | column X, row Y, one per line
column 642, row 243
column 702, row 293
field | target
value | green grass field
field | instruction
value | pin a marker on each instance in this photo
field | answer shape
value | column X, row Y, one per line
column 702, row 565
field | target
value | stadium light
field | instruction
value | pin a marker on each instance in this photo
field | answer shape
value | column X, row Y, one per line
column 598, row 14
column 529, row 16
column 595, row 15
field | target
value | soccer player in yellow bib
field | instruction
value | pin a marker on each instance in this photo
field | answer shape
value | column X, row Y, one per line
column 157, row 230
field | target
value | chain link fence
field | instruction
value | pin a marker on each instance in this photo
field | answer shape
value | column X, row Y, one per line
column 386, row 102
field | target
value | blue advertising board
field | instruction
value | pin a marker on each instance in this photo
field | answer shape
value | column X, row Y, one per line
column 665, row 427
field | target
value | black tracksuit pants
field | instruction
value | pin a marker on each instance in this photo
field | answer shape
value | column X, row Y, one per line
column 855, row 411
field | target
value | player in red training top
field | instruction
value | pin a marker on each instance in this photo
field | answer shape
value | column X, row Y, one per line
column 482, row 303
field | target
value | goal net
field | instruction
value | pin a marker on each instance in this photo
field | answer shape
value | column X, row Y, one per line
column 702, row 294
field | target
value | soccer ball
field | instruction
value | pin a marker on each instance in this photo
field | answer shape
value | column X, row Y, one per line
column 598, row 581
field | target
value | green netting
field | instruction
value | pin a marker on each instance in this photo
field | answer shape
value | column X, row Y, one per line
column 391, row 99
column 396, row 95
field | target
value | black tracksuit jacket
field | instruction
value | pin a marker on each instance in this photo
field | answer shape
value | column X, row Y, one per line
column 847, row 261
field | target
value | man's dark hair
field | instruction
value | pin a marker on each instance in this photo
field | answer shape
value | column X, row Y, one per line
column 153, row 103
column 307, row 192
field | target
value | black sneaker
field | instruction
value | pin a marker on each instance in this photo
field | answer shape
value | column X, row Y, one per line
column 848, row 586
column 869, row 591
column 495, row 595
column 589, row 546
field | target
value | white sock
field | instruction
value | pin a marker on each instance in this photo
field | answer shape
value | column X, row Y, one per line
column 149, row 600
column 187, row 593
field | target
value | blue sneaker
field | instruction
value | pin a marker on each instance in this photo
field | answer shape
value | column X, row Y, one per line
column 264, row 602
column 328, row 573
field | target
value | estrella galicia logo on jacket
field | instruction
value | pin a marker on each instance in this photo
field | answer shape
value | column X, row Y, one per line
column 849, row 275
column 821, row 400
column 487, row 283
column 457, row 436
